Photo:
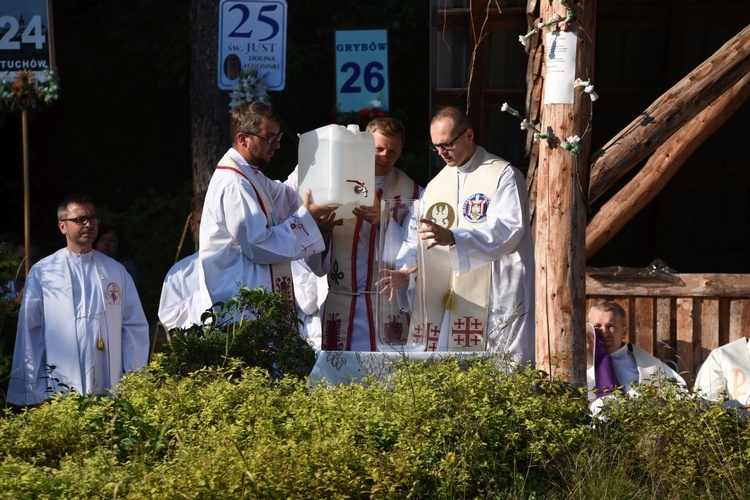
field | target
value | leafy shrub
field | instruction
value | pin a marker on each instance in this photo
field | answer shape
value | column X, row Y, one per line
column 434, row 430
column 255, row 327
column 675, row 443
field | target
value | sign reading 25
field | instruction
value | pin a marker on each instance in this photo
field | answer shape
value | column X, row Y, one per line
column 252, row 32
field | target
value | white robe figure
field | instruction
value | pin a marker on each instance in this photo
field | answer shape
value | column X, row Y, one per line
column 726, row 373
column 180, row 302
column 634, row 365
column 81, row 327
column 504, row 241
column 247, row 227
column 310, row 292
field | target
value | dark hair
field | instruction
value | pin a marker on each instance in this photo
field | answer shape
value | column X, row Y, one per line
column 78, row 199
column 123, row 249
column 248, row 116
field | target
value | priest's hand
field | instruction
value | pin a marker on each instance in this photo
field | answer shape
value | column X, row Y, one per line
column 370, row 213
column 324, row 215
column 393, row 280
column 438, row 234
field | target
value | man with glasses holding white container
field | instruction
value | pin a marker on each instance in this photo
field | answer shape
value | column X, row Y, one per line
column 81, row 326
column 251, row 226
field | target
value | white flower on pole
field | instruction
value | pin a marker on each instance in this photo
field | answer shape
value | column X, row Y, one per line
column 587, row 87
column 528, row 36
column 550, row 22
column 249, row 87
column 571, row 144
column 507, row 109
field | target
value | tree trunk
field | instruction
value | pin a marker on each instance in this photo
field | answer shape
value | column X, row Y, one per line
column 670, row 112
column 662, row 166
column 209, row 104
column 561, row 217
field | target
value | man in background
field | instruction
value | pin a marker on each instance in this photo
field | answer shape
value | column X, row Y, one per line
column 180, row 303
column 630, row 364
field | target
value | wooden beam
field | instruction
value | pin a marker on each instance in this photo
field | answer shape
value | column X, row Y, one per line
column 661, row 167
column 670, row 112
column 711, row 285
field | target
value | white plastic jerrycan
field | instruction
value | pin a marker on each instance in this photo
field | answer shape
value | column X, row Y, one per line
column 338, row 164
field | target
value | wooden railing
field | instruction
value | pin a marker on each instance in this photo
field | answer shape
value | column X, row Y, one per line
column 681, row 322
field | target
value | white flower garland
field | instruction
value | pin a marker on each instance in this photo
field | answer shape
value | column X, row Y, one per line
column 249, row 87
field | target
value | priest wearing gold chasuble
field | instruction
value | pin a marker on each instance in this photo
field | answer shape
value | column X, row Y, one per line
column 476, row 264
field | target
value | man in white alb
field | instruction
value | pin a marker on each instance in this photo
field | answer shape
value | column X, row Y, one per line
column 349, row 320
column 180, row 305
column 726, row 374
column 628, row 364
column 251, row 228
column 81, row 326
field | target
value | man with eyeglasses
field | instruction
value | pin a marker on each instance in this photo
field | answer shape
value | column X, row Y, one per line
column 81, row 326
column 477, row 267
column 251, row 227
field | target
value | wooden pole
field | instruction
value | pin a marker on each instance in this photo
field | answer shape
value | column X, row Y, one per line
column 661, row 167
column 26, row 199
column 561, row 215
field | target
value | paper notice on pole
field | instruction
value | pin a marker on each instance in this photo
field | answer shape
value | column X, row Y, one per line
column 560, row 59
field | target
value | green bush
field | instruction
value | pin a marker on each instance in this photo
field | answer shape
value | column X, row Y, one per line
column 442, row 429
column 257, row 328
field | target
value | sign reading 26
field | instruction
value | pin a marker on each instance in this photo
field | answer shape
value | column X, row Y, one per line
column 374, row 80
column 262, row 18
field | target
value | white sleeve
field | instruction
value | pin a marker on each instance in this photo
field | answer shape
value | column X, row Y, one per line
column 507, row 220
column 27, row 383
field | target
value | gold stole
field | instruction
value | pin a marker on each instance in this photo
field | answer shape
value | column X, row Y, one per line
column 281, row 274
column 471, row 291
column 340, row 306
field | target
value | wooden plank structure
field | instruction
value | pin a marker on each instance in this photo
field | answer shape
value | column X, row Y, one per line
column 681, row 322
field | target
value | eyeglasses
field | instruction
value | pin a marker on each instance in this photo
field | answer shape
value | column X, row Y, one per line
column 83, row 220
column 447, row 146
column 270, row 139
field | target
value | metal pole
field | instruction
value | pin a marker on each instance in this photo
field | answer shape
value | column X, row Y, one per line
column 26, row 200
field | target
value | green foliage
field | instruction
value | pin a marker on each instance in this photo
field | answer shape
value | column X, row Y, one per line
column 441, row 429
column 677, row 443
column 256, row 327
